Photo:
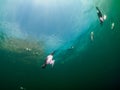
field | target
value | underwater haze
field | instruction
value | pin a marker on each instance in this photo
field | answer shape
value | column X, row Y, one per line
column 87, row 52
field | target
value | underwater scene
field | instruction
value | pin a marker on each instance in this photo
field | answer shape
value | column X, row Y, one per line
column 59, row 44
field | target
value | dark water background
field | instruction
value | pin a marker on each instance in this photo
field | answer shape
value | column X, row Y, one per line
column 89, row 65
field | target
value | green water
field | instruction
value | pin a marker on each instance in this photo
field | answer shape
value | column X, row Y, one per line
column 89, row 65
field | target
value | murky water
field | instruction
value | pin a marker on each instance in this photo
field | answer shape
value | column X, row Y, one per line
column 30, row 30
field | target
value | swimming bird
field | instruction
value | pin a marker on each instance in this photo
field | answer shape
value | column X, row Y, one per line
column 49, row 60
column 100, row 15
